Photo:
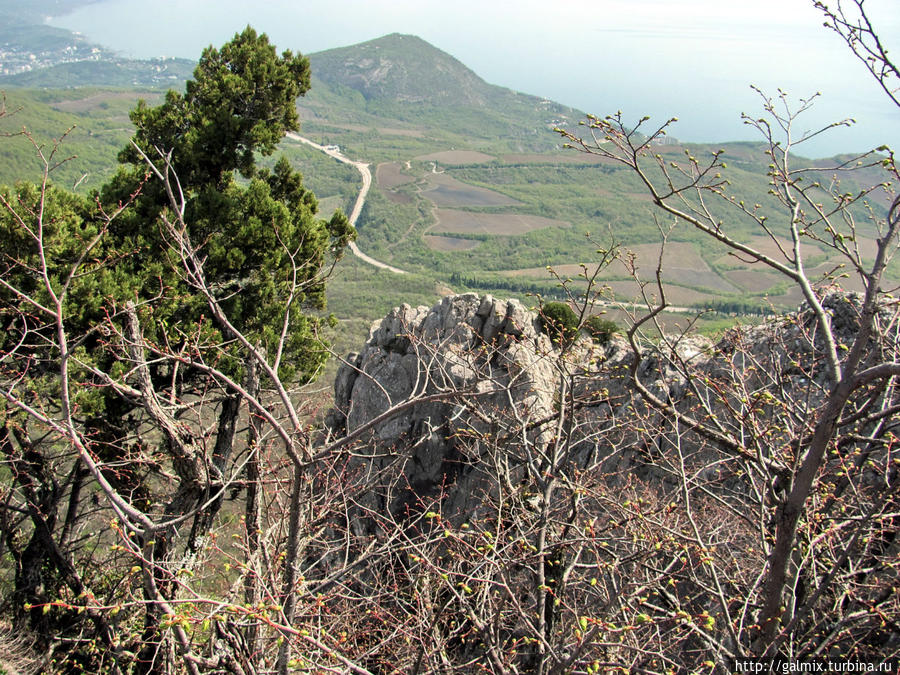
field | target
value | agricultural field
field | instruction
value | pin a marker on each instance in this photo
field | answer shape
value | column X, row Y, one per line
column 503, row 218
column 688, row 277
column 389, row 175
column 446, row 206
column 456, row 157
column 445, row 190
column 468, row 222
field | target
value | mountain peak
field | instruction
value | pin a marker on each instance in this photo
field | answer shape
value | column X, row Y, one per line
column 401, row 68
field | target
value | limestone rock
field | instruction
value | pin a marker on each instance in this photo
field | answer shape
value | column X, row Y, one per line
column 477, row 356
column 480, row 386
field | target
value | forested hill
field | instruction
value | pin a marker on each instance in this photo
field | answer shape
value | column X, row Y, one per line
column 405, row 68
column 408, row 80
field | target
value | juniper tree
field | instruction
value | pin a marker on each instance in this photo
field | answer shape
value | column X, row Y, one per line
column 137, row 322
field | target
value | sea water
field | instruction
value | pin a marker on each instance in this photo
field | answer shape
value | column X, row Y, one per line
column 693, row 59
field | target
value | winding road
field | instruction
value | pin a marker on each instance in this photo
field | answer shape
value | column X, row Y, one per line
column 363, row 169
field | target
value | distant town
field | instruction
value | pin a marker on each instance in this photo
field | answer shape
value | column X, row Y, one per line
column 15, row 59
column 40, row 55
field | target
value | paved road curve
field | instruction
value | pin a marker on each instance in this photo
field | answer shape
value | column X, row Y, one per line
column 363, row 169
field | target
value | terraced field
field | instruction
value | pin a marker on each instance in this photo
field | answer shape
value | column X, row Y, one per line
column 468, row 222
column 446, row 191
column 389, row 175
column 457, row 157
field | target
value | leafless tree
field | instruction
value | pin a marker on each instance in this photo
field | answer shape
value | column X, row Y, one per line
column 684, row 503
column 810, row 420
column 652, row 502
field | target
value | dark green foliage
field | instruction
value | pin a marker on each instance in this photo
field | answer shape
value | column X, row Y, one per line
column 72, row 224
column 215, row 265
column 241, row 101
column 600, row 329
column 263, row 246
column 560, row 322
column 509, row 285
column 737, row 306
column 265, row 252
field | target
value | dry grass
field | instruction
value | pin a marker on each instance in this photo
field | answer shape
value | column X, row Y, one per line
column 450, row 244
column 398, row 197
column 755, row 280
column 792, row 298
column 464, row 222
column 682, row 253
column 679, row 296
column 446, row 191
column 682, row 264
column 16, row 655
column 850, row 283
column 768, row 246
column 389, row 175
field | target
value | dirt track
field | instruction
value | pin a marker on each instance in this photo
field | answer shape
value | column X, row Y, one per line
column 363, row 169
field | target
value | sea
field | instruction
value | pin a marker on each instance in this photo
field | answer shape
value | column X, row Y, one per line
column 693, row 59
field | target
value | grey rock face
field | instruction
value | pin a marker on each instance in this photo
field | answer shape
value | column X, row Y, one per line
column 467, row 356
column 482, row 385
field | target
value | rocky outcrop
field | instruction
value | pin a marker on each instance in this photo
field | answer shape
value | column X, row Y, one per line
column 481, row 385
column 464, row 342
column 470, row 362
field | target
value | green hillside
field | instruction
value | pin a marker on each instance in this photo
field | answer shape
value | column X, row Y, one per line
column 471, row 186
column 403, row 79
column 474, row 190
column 92, row 125
column 404, row 69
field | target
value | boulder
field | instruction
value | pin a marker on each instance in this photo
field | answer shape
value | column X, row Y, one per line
column 472, row 363
column 480, row 386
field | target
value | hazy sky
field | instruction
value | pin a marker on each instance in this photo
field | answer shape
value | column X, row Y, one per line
column 693, row 59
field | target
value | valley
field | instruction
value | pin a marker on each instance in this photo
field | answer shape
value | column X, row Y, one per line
column 450, row 379
column 366, row 175
column 471, row 192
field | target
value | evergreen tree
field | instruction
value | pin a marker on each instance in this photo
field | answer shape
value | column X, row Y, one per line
column 186, row 275
column 259, row 237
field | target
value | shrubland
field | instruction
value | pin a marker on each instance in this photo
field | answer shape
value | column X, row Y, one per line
column 483, row 496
